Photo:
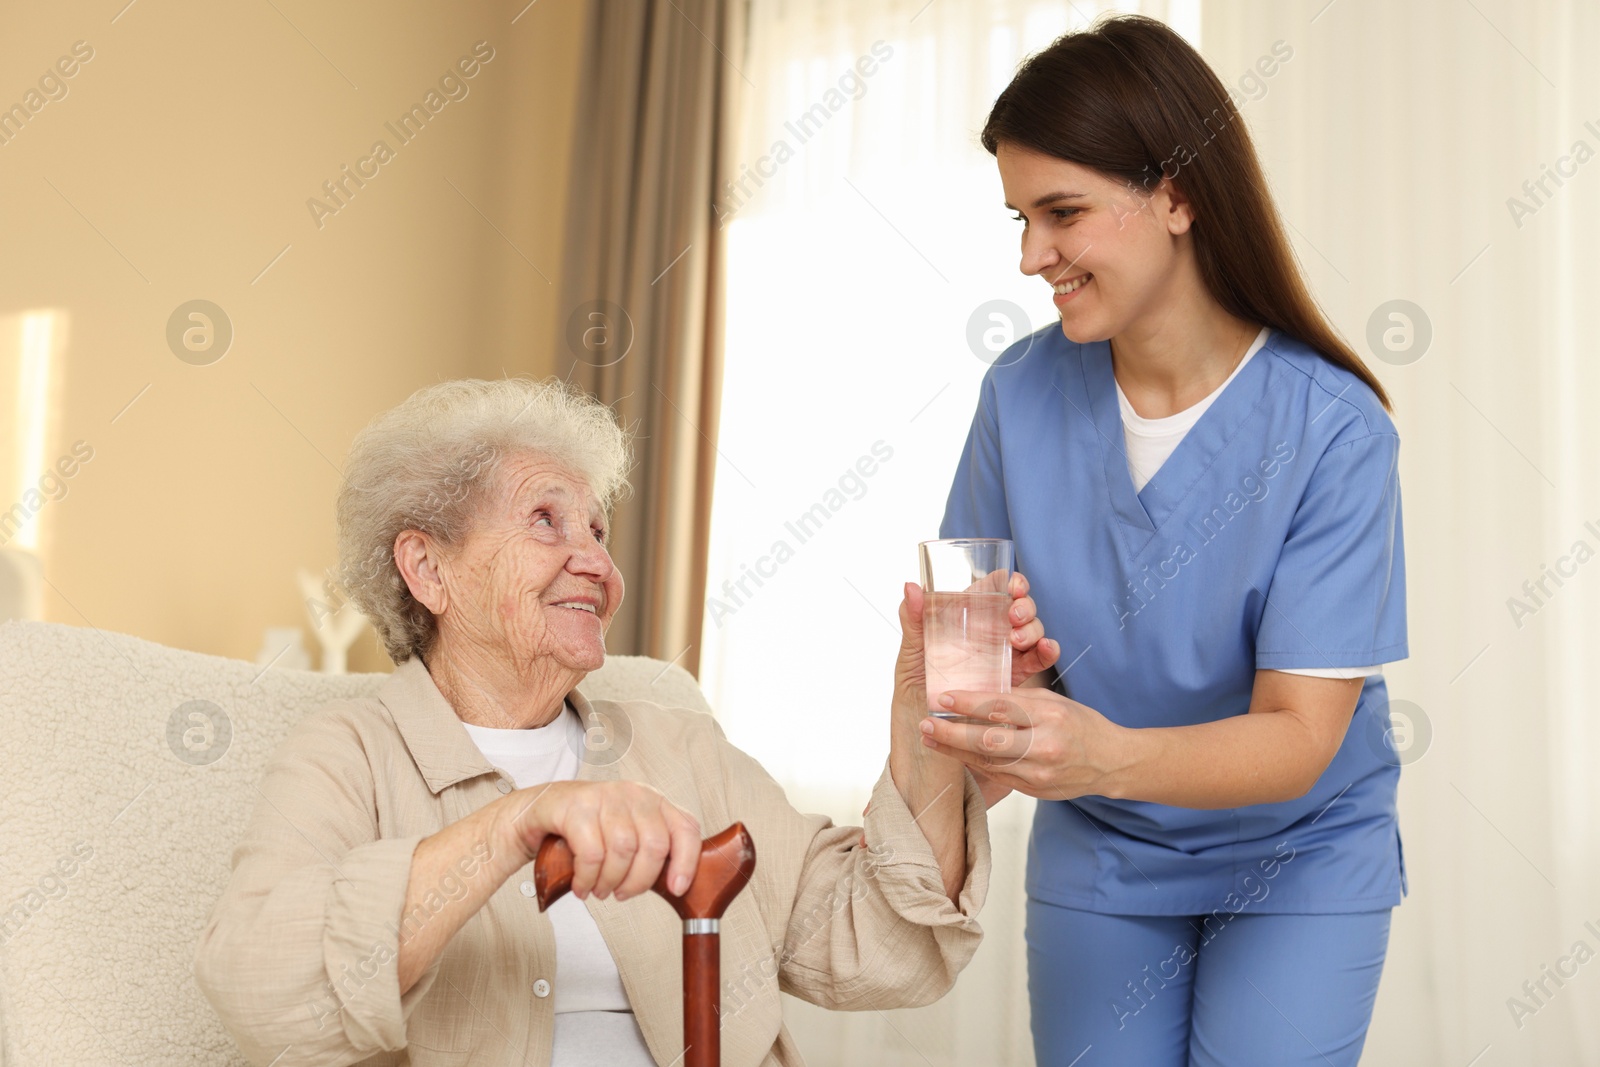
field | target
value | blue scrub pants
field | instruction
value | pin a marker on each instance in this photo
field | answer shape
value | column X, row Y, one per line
column 1169, row 991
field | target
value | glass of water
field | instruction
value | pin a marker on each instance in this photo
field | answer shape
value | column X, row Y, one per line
column 966, row 625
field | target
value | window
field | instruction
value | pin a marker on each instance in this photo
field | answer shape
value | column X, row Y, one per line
column 867, row 237
column 28, row 345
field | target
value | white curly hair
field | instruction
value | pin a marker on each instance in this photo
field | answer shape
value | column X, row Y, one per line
column 429, row 463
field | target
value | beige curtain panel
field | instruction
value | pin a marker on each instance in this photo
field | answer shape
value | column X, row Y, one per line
column 641, row 289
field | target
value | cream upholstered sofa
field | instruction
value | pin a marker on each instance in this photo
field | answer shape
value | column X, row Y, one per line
column 130, row 771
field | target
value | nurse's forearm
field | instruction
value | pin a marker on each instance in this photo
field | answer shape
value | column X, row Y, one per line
column 1258, row 758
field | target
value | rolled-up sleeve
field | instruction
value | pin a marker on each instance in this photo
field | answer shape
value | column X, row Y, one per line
column 869, row 927
column 299, row 958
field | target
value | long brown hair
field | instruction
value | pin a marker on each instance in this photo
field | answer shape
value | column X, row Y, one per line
column 1129, row 98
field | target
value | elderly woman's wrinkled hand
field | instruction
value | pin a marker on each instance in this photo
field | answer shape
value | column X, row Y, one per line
column 1032, row 654
column 621, row 834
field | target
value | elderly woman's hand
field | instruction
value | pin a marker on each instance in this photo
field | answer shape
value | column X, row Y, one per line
column 1031, row 654
column 621, row 834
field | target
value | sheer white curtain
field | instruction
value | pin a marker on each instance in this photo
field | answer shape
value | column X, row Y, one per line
column 1398, row 141
column 867, row 236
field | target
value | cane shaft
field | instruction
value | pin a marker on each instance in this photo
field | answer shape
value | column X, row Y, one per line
column 702, row 1000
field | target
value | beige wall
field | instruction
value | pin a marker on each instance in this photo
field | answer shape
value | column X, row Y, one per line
column 191, row 142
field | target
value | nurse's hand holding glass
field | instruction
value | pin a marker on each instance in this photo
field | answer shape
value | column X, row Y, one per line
column 1032, row 656
column 1054, row 748
column 1036, row 742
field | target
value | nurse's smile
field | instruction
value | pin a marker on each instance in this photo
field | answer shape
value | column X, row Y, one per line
column 1067, row 290
column 1081, row 228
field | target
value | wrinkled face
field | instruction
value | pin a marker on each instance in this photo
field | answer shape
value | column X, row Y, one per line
column 533, row 578
column 1109, row 251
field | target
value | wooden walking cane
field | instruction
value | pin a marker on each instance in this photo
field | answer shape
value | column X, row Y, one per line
column 727, row 860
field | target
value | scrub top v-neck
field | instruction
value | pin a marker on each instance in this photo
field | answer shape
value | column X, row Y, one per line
column 1269, row 539
column 1149, row 441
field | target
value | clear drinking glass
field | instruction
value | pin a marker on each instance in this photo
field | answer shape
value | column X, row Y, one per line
column 966, row 628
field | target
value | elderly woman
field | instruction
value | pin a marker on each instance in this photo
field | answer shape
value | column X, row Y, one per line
column 379, row 910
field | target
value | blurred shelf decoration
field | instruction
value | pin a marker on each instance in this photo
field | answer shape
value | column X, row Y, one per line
column 336, row 621
column 282, row 646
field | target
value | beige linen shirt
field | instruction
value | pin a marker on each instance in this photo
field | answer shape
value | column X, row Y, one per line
column 299, row 956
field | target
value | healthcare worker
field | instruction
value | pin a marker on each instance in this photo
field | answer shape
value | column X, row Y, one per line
column 1201, row 480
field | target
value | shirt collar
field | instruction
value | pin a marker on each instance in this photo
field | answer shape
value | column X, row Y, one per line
column 438, row 742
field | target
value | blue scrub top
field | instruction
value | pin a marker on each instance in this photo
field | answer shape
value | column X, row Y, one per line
column 1269, row 539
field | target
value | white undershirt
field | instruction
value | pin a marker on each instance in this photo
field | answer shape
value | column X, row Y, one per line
column 595, row 1025
column 1150, row 441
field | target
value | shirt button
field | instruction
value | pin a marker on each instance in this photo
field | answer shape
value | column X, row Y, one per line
column 529, row 889
column 502, row 785
column 541, row 989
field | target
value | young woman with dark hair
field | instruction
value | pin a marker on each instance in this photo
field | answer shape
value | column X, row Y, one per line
column 1201, row 479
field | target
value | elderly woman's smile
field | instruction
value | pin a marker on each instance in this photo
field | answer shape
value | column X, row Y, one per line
column 544, row 544
column 529, row 591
